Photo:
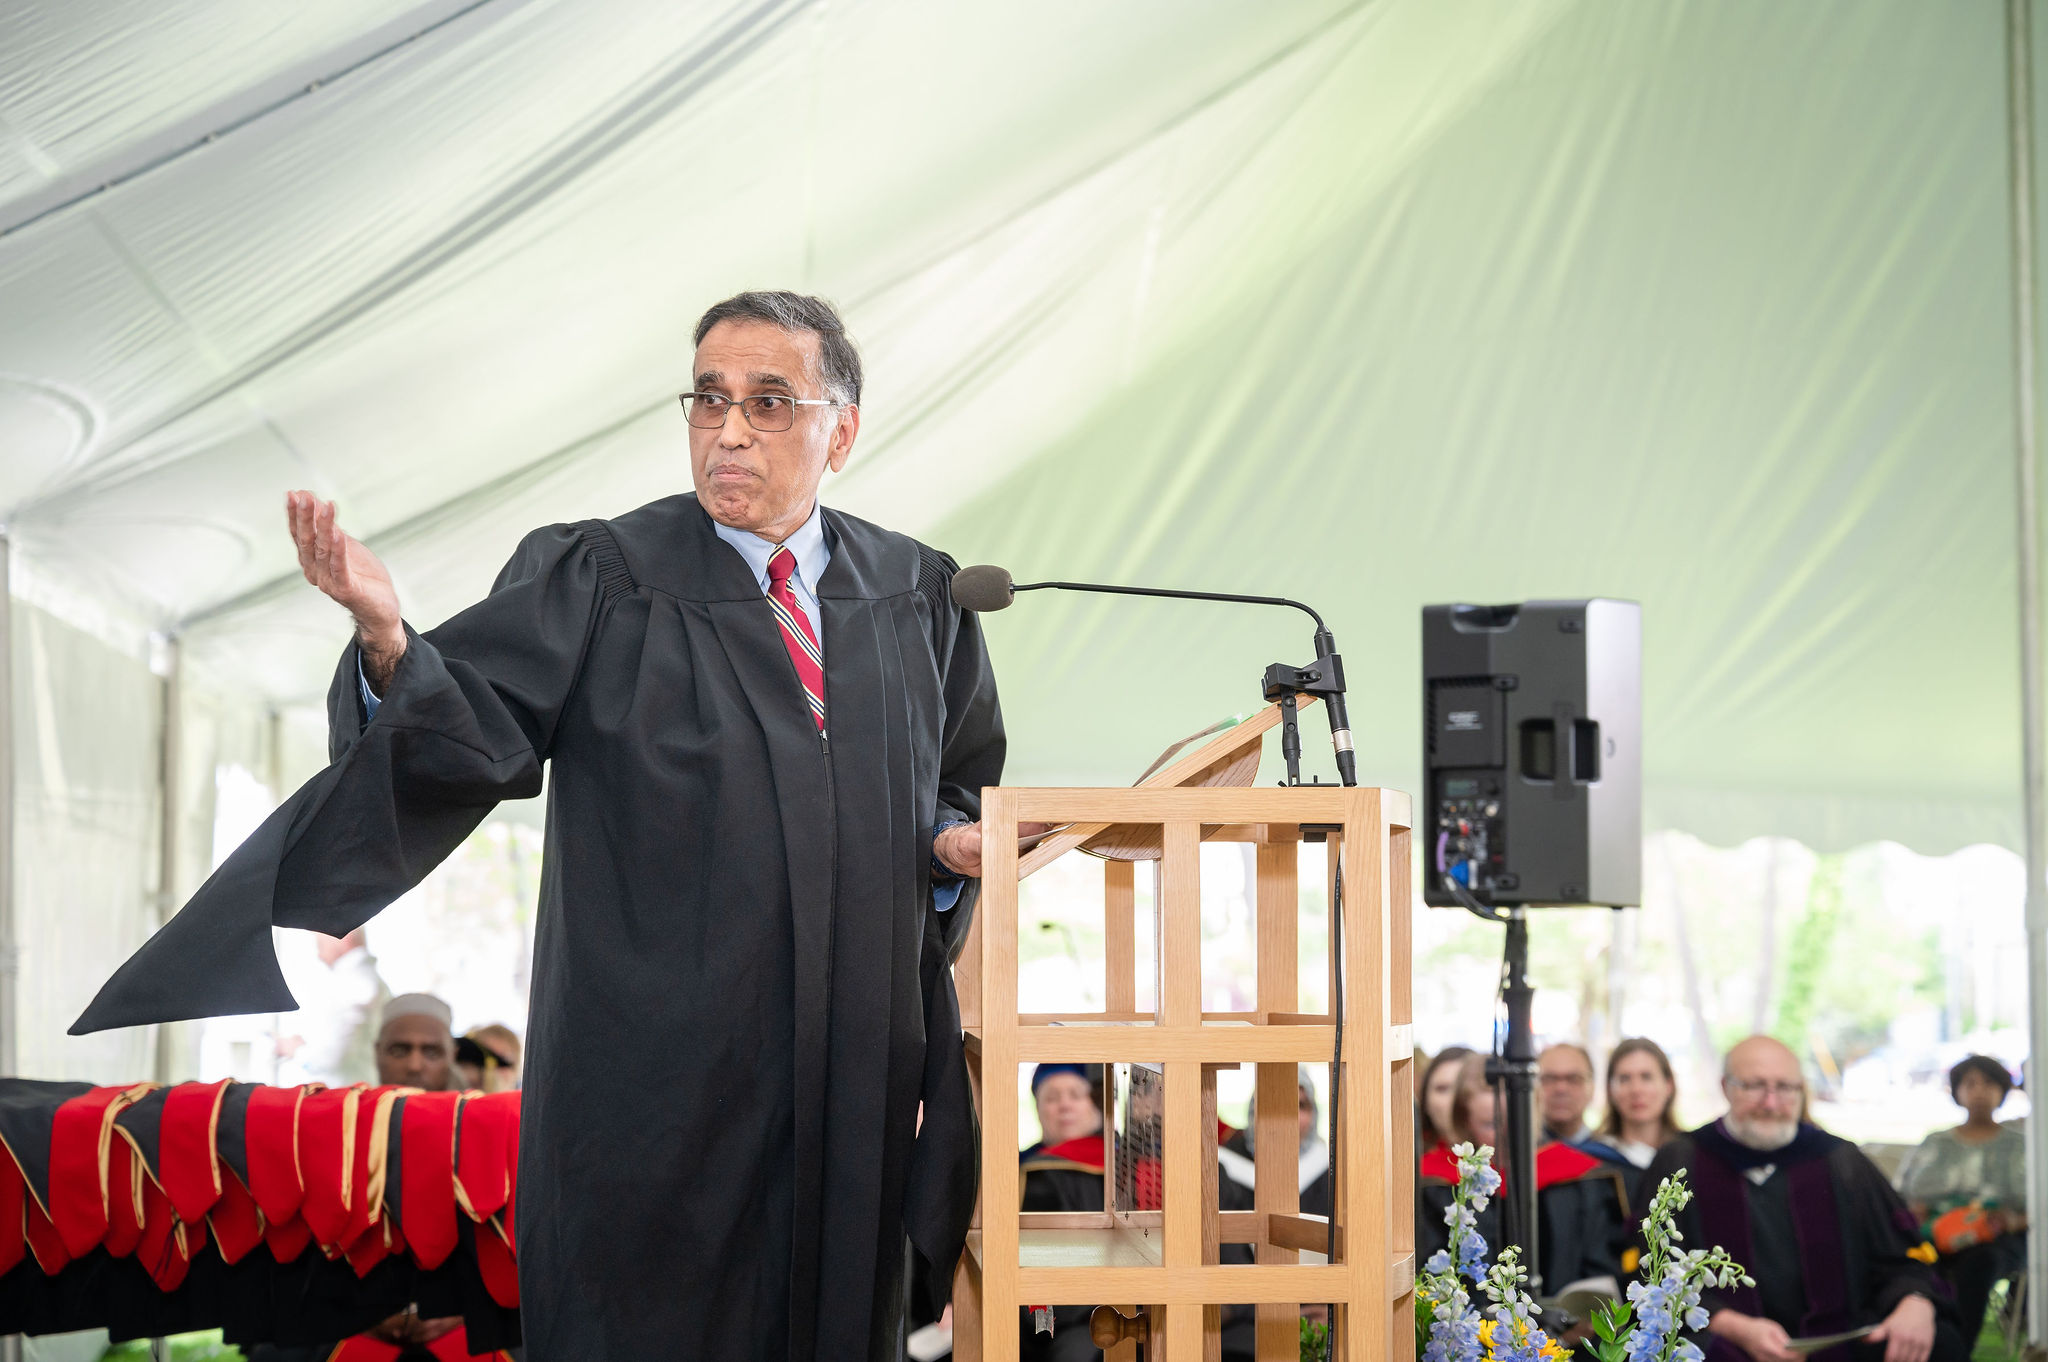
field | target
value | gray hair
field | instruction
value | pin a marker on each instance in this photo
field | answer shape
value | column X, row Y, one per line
column 797, row 313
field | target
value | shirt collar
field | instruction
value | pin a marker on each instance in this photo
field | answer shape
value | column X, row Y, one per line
column 808, row 544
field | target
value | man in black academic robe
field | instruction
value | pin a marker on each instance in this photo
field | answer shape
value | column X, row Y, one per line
column 1812, row 1220
column 740, row 988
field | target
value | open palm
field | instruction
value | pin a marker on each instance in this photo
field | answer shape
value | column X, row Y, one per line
column 339, row 564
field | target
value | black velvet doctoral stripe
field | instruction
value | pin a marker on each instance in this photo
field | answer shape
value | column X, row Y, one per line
column 27, row 1107
column 394, row 1159
column 231, row 1139
column 144, row 1122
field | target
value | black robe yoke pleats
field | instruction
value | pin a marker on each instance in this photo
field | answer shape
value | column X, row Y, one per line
column 740, row 991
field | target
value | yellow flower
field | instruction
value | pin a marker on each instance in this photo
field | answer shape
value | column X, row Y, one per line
column 1552, row 1352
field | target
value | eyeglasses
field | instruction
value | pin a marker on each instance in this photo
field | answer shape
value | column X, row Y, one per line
column 764, row 411
column 1757, row 1087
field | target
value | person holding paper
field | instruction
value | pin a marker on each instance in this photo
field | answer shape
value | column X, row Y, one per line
column 1828, row 1241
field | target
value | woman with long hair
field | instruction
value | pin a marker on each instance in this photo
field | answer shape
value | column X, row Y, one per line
column 1434, row 1096
column 1641, row 1091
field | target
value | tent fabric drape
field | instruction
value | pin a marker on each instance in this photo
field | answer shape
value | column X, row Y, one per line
column 1375, row 304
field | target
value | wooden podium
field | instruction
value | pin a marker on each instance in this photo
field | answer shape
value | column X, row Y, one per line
column 1160, row 1267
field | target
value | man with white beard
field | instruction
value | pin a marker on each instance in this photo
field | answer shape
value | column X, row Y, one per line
column 1814, row 1222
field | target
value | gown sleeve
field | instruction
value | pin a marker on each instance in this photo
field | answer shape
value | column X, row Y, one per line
column 467, row 721
column 1888, row 1230
column 972, row 744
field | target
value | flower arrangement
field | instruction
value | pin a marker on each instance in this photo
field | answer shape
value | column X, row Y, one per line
column 1665, row 1301
column 1649, row 1326
column 1449, row 1327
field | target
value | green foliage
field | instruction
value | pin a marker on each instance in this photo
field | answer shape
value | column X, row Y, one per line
column 1315, row 1341
column 1611, row 1332
column 1808, row 955
column 205, row 1347
column 1425, row 1320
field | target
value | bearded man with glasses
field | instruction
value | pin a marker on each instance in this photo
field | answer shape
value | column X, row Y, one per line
column 767, row 728
column 1830, row 1245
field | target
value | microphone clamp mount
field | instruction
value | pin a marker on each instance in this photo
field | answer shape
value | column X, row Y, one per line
column 1324, row 679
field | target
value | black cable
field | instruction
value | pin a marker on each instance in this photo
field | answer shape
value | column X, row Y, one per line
column 1321, row 628
column 1470, row 902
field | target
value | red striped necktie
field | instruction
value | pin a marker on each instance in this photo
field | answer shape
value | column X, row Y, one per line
column 796, row 632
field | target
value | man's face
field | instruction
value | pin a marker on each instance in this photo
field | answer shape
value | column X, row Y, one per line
column 1764, row 1091
column 765, row 480
column 1567, row 1086
column 415, row 1051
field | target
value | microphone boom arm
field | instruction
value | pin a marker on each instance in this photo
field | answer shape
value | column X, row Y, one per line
column 1323, row 678
column 1322, row 630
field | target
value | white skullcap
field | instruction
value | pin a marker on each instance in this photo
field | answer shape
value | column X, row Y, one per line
column 417, row 1005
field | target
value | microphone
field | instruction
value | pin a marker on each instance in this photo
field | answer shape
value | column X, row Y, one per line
column 986, row 587
column 982, row 589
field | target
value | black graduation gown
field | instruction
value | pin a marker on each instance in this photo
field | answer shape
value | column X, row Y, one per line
column 738, row 967
column 1825, row 1237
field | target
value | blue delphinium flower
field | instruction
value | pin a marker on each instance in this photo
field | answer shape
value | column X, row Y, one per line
column 1477, row 1182
column 1454, row 1336
column 1666, row 1301
column 1515, row 1335
column 1454, row 1323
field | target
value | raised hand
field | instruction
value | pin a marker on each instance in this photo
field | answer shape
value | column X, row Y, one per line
column 350, row 575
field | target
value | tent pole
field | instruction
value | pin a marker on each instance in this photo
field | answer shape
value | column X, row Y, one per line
column 168, row 829
column 2020, row 148
column 10, row 1346
column 9, row 957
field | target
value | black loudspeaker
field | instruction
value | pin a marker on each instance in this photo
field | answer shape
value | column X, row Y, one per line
column 1532, row 749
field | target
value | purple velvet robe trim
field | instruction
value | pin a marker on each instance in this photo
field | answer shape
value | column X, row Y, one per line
column 1721, row 1193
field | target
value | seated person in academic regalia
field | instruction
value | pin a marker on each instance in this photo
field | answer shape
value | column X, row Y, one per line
column 1062, row 1171
column 1069, row 1102
column 1641, row 1091
column 1239, row 1155
column 1968, row 1188
column 416, row 1043
column 1814, row 1222
column 1564, row 1090
column 1581, row 1207
column 487, row 1059
column 1564, row 1093
column 1434, row 1096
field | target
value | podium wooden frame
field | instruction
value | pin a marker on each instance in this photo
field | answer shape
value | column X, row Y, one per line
column 1016, row 1259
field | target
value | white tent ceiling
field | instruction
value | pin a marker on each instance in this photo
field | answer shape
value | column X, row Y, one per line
column 1378, row 304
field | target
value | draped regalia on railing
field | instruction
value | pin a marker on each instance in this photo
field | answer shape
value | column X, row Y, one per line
column 288, row 1215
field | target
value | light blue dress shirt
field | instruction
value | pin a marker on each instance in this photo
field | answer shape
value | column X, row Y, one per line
column 813, row 555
